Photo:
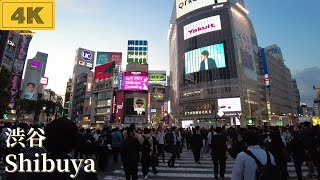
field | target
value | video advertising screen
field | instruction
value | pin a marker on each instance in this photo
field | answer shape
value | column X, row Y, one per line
column 205, row 58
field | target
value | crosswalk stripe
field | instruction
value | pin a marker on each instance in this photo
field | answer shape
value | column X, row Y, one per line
column 186, row 168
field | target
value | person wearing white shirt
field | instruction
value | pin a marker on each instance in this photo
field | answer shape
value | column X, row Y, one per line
column 160, row 138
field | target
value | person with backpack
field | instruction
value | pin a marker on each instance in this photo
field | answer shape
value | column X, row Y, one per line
column 130, row 149
column 116, row 143
column 254, row 163
column 219, row 148
column 146, row 150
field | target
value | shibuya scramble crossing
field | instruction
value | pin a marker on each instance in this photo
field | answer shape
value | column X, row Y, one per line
column 193, row 89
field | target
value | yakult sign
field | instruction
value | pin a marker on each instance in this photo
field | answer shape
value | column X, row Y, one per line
column 186, row 6
column 135, row 81
column 202, row 26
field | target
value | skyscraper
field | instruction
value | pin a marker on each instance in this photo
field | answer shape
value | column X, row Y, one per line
column 215, row 66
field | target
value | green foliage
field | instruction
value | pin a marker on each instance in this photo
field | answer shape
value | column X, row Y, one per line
column 5, row 79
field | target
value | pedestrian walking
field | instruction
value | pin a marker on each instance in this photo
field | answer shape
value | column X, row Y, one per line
column 130, row 149
column 160, row 138
column 196, row 144
column 146, row 150
column 219, row 149
column 116, row 142
column 171, row 139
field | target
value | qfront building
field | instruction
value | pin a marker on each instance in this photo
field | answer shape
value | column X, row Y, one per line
column 215, row 65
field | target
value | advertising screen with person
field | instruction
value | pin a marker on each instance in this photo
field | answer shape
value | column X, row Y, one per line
column 30, row 92
column 205, row 58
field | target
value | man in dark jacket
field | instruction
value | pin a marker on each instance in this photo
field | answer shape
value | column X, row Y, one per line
column 219, row 148
column 130, row 155
column 196, row 144
column 171, row 139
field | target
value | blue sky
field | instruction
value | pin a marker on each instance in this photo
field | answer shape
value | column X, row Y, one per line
column 106, row 25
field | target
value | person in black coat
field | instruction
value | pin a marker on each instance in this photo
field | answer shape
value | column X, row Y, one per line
column 219, row 148
column 298, row 154
column 196, row 144
column 130, row 149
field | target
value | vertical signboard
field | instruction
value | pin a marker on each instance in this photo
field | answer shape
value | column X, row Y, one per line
column 149, row 107
column 265, row 67
column 137, row 51
column 119, row 107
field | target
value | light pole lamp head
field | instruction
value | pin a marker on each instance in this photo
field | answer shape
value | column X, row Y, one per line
column 43, row 108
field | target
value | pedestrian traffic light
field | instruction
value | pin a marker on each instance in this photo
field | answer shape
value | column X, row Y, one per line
column 5, row 116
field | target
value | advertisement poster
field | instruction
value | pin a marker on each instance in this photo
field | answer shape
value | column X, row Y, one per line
column 106, row 57
column 159, row 93
column 104, row 71
column 136, row 106
column 202, row 26
column 135, row 81
column 205, row 58
column 157, row 77
column 229, row 104
column 30, row 91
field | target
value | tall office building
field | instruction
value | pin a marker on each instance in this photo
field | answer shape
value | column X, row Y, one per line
column 35, row 69
column 66, row 109
column 83, row 63
column 215, row 67
column 281, row 90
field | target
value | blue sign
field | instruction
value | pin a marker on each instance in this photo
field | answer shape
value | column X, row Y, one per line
column 137, row 45
column 86, row 55
column 265, row 67
column 103, row 58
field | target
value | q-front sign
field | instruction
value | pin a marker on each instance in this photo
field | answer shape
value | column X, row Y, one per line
column 186, row 6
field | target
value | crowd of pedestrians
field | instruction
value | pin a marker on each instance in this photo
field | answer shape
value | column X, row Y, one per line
column 259, row 152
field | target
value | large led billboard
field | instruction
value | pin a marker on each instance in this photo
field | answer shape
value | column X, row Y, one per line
column 136, row 106
column 229, row 104
column 184, row 7
column 106, row 57
column 202, row 26
column 159, row 93
column 104, row 71
column 137, row 51
column 135, row 81
column 205, row 58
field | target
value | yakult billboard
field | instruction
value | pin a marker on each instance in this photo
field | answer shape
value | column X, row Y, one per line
column 135, row 81
column 202, row 26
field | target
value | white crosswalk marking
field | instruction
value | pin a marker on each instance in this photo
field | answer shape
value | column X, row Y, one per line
column 185, row 168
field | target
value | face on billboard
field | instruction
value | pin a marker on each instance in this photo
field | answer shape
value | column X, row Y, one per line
column 135, row 82
column 229, row 104
column 139, row 105
column 159, row 93
column 30, row 91
column 205, row 58
column 202, row 26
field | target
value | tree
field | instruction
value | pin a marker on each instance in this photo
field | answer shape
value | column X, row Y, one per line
column 5, row 79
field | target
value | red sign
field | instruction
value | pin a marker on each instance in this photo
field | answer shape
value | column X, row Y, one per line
column 104, row 71
column 119, row 107
column 44, row 81
column 116, row 57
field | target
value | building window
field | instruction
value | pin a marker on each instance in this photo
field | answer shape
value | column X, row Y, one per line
column 103, row 111
column 104, row 95
column 104, row 103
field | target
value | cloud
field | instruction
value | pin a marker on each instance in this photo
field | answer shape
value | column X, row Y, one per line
column 306, row 79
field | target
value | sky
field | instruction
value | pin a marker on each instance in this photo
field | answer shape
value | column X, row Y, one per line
column 106, row 25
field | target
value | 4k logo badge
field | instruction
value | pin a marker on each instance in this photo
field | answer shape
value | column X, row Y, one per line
column 27, row 15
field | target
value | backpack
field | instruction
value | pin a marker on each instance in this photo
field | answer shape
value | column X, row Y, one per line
column 267, row 171
column 146, row 146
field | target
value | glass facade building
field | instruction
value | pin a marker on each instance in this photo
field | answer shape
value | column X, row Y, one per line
column 214, row 55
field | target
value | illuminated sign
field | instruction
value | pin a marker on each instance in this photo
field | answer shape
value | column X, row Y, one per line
column 35, row 64
column 132, row 82
column 10, row 43
column 157, row 77
column 186, row 6
column 202, row 26
column 106, row 57
column 86, row 55
column 44, row 81
column 229, row 104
